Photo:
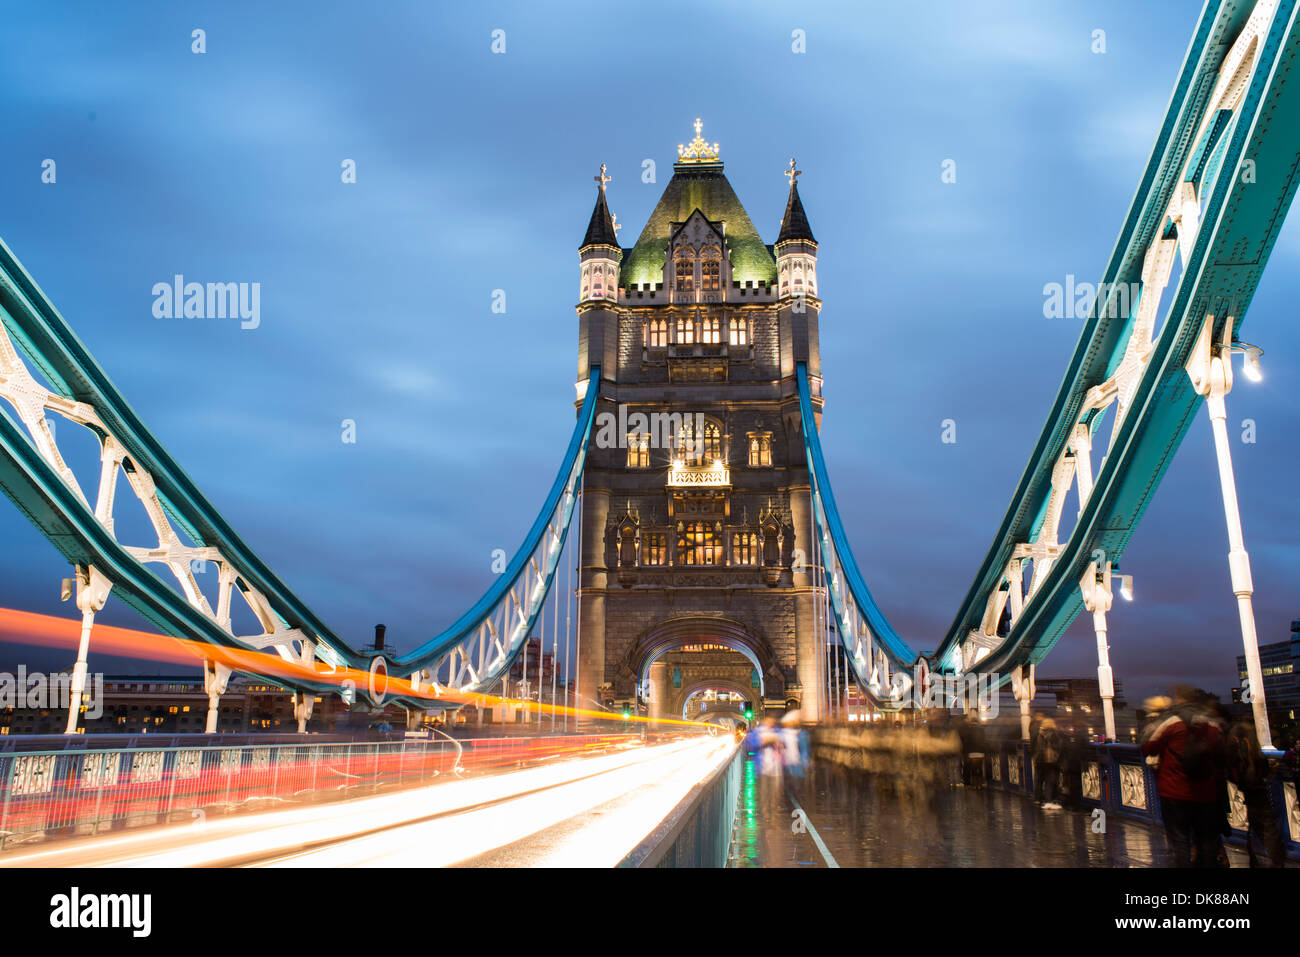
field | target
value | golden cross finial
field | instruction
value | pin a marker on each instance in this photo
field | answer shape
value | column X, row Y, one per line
column 697, row 150
column 602, row 179
column 792, row 174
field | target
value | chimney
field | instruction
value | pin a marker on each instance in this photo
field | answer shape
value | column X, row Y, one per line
column 379, row 637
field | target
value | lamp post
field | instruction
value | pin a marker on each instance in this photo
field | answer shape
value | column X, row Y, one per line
column 91, row 592
column 1210, row 369
column 1097, row 597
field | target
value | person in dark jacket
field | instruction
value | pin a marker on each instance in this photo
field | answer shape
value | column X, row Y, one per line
column 972, row 750
column 1048, row 751
column 1248, row 769
column 1186, row 742
column 1073, row 759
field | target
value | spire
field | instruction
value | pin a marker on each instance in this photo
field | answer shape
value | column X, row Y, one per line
column 600, row 231
column 794, row 224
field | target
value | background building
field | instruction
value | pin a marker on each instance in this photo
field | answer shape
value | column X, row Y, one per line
column 1280, row 664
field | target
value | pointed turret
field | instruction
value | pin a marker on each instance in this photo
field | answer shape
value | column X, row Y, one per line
column 796, row 266
column 598, row 257
column 600, row 231
column 794, row 224
column 599, row 251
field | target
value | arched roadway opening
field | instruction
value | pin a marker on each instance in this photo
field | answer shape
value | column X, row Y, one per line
column 705, row 633
column 677, row 659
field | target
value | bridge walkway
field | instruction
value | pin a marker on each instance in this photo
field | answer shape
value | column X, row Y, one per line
column 854, row 819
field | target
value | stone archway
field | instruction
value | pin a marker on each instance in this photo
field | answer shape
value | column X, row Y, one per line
column 633, row 668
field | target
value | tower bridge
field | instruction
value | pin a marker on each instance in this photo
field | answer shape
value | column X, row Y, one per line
column 697, row 543
column 729, row 538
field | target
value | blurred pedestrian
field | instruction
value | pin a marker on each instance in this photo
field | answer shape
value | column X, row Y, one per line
column 972, row 749
column 794, row 745
column 1047, row 754
column 1184, row 742
column 1247, row 768
column 770, row 763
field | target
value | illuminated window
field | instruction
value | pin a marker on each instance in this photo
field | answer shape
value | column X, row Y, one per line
column 711, row 274
column 656, row 334
column 760, row 450
column 698, row 451
column 685, row 332
column 738, row 332
column 638, row 451
column 173, row 709
column 711, row 331
column 685, row 275
column 697, row 544
column 654, row 548
column 744, row 548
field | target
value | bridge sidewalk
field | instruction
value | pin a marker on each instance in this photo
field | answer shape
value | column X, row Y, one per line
column 851, row 819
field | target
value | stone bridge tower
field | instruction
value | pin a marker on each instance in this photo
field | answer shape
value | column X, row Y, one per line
column 696, row 521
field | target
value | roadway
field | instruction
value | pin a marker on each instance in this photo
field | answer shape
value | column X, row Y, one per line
column 588, row 812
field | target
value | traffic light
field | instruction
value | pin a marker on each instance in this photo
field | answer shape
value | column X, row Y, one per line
column 749, row 712
column 626, row 713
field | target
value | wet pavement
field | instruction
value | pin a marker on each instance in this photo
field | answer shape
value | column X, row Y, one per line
column 837, row 817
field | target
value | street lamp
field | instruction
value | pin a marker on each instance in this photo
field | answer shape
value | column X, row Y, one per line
column 1210, row 369
column 1250, row 363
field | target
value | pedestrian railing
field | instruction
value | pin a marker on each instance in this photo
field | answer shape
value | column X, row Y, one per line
column 53, row 793
column 1117, row 779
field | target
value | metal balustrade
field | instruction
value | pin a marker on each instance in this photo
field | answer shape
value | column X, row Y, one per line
column 1117, row 779
column 50, row 794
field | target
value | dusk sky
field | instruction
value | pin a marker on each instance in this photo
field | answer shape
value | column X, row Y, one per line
column 474, row 173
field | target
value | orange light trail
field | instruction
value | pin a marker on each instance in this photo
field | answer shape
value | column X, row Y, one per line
column 31, row 628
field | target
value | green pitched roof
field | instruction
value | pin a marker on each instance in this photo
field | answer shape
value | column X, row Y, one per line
column 698, row 186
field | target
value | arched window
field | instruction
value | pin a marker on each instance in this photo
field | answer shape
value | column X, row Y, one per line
column 704, row 448
column 710, row 268
column 657, row 333
column 710, row 331
column 685, row 331
column 698, row 544
column 738, row 332
column 685, row 275
column 760, row 450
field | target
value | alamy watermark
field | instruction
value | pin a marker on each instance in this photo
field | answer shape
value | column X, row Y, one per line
column 683, row 431
column 1076, row 300
column 973, row 692
column 39, row 692
column 179, row 299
